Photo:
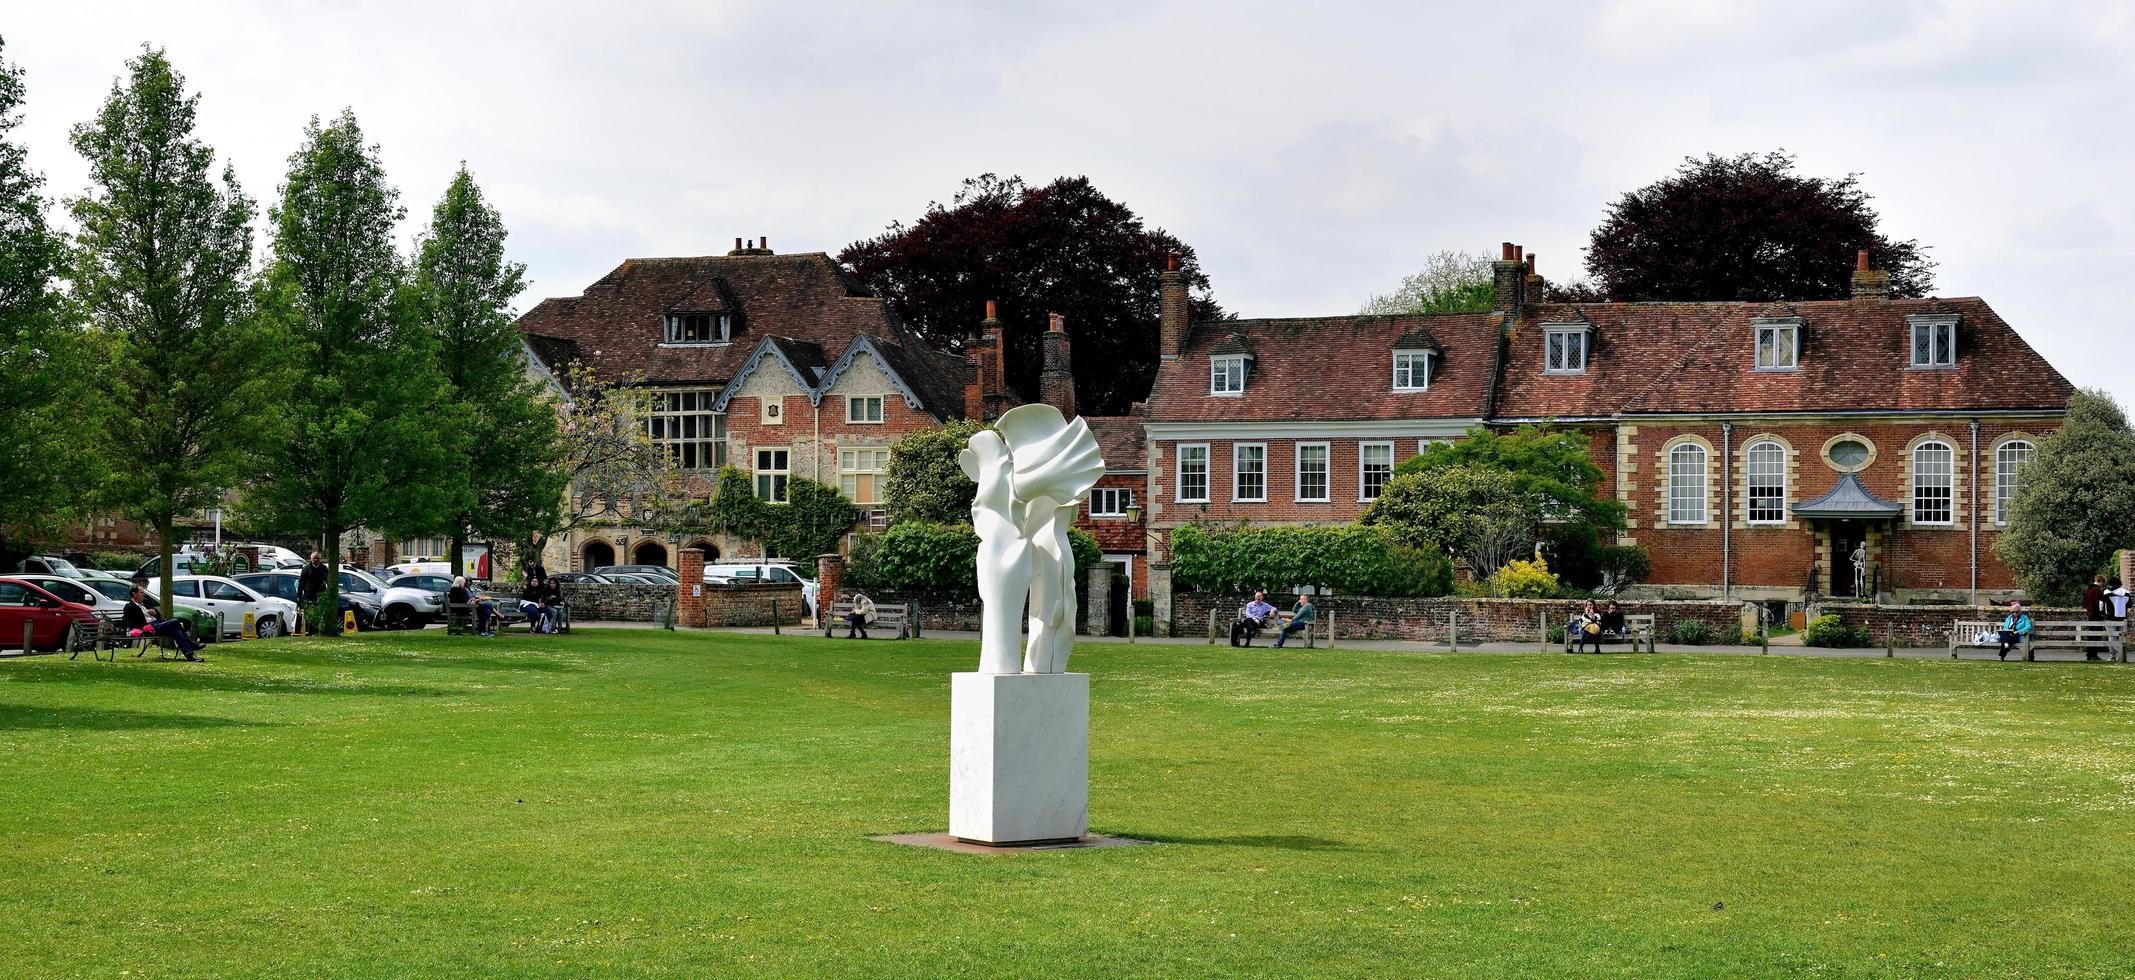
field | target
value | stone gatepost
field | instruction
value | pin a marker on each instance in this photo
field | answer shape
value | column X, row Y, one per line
column 689, row 596
column 1097, row 600
column 1160, row 598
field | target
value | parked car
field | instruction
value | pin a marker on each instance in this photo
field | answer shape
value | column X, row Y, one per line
column 427, row 581
column 661, row 571
column 112, row 591
column 48, row 565
column 182, row 563
column 402, row 608
column 636, row 578
column 582, row 578
column 229, row 602
column 50, row 618
column 426, row 566
column 283, row 585
column 775, row 571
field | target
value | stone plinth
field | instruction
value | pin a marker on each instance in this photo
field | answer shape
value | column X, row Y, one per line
column 1019, row 757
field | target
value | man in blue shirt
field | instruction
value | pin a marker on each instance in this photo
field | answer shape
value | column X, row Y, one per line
column 1251, row 620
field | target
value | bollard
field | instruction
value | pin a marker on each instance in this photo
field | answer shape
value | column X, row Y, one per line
column 1453, row 632
column 1542, row 627
column 1890, row 648
column 26, row 649
column 1764, row 642
column 1330, row 629
column 1211, row 627
column 774, row 619
column 1130, row 616
column 918, row 614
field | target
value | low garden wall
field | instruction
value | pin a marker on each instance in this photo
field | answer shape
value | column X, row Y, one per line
column 613, row 603
column 1430, row 620
column 1926, row 626
column 750, row 605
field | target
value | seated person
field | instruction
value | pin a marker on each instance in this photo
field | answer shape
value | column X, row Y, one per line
column 530, row 604
column 484, row 609
column 137, row 620
column 1612, row 623
column 1301, row 619
column 2016, row 628
column 863, row 613
column 1251, row 619
column 552, row 603
column 1585, row 628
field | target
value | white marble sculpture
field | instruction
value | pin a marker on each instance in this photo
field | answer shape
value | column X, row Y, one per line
column 1019, row 740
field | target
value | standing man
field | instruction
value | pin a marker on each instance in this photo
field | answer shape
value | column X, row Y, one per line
column 311, row 584
column 1252, row 619
column 2094, row 607
column 1301, row 619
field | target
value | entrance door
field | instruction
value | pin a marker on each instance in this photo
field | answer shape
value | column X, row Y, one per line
column 1121, row 605
column 1846, row 538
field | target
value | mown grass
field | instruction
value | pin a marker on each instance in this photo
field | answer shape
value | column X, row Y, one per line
column 691, row 804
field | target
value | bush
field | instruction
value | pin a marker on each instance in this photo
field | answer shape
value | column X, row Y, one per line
column 1348, row 559
column 1525, row 580
column 1144, row 625
column 1624, row 565
column 1556, row 633
column 1831, row 631
column 920, row 556
column 1691, row 633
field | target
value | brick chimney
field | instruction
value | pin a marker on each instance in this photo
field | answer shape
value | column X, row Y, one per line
column 1869, row 283
column 1534, row 287
column 1171, row 311
column 1508, row 280
column 987, row 396
column 754, row 246
column 1056, row 383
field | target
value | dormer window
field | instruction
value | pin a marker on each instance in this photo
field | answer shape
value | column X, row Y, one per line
column 1226, row 375
column 1412, row 370
column 699, row 328
column 1778, row 344
column 1567, row 349
column 1934, row 341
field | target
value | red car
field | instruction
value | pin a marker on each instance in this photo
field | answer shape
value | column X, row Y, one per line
column 47, row 615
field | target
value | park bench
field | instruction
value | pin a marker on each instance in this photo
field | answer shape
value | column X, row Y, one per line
column 2063, row 634
column 459, row 616
column 1283, row 618
column 1637, row 628
column 109, row 636
column 887, row 615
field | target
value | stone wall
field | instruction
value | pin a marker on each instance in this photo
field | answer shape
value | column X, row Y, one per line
column 614, row 603
column 1429, row 620
column 749, row 605
column 1928, row 626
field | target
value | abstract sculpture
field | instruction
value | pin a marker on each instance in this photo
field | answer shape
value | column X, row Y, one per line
column 1019, row 740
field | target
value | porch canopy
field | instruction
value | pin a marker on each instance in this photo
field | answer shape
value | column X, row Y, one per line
column 1848, row 501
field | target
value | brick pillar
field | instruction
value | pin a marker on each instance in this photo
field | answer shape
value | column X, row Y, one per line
column 2127, row 567
column 829, row 578
column 1097, row 599
column 689, row 596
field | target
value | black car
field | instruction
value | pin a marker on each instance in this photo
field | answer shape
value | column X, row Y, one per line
column 284, row 585
column 659, row 571
column 580, row 578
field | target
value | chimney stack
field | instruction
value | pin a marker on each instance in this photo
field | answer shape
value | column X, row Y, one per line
column 1869, row 283
column 1171, row 311
column 1534, row 285
column 1056, row 383
column 987, row 354
column 1508, row 280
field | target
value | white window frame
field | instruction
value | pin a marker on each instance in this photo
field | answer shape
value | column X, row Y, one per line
column 1221, row 369
column 1364, row 450
column 1921, row 489
column 1931, row 327
column 1110, row 502
column 1786, row 356
column 720, row 329
column 681, row 421
column 1407, row 365
column 1178, row 490
column 1326, row 473
column 855, row 462
column 761, row 473
column 1752, row 470
column 853, row 415
column 1550, row 336
column 2009, row 474
column 1238, row 454
column 1680, row 502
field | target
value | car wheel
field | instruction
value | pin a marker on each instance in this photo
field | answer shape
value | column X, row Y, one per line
column 268, row 628
column 399, row 618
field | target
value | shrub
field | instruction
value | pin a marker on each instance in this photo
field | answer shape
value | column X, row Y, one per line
column 1556, row 633
column 924, row 482
column 1624, row 565
column 1348, row 559
column 1831, row 631
column 1520, row 579
column 1691, row 633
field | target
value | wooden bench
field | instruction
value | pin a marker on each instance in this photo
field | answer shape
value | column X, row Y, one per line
column 1637, row 627
column 2063, row 634
column 110, row 637
column 1283, row 618
column 887, row 615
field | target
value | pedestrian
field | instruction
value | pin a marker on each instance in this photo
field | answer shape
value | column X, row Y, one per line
column 2016, row 629
column 2094, row 608
column 1251, row 619
column 2117, row 599
column 1301, row 618
column 863, row 613
column 311, row 583
column 137, row 620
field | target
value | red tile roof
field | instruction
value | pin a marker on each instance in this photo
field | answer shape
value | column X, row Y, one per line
column 1119, row 438
column 1330, row 369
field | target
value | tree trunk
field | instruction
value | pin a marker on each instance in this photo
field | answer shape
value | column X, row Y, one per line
column 163, row 567
column 459, row 548
column 330, row 625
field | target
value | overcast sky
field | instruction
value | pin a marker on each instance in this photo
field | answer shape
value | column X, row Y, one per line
column 1312, row 153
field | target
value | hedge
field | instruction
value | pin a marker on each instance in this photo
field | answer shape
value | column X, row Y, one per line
column 1348, row 559
column 942, row 559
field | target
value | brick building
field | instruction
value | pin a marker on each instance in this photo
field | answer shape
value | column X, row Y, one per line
column 1759, row 446
column 779, row 364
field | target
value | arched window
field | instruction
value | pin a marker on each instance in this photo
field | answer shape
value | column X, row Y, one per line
column 1686, row 484
column 2009, row 463
column 1934, row 466
column 1767, row 472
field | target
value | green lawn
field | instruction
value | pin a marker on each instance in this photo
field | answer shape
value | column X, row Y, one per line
column 690, row 804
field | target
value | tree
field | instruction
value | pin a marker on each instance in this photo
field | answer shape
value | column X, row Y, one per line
column 160, row 273
column 370, row 445
column 1550, row 465
column 44, row 366
column 1451, row 282
column 611, row 465
column 1748, row 228
column 924, row 482
column 1482, row 515
column 512, row 481
column 1061, row 248
column 2075, row 502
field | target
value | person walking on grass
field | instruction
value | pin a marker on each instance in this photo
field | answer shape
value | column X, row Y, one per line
column 1301, row 619
column 863, row 613
column 2016, row 629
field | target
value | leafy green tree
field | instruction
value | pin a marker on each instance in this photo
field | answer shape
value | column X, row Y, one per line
column 1482, row 515
column 1552, row 465
column 1450, row 282
column 924, row 483
column 44, row 367
column 2075, row 503
column 369, row 444
column 513, row 478
column 160, row 271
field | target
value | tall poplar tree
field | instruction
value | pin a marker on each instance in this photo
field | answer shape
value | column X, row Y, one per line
column 42, row 367
column 368, row 445
column 511, row 486
column 161, row 269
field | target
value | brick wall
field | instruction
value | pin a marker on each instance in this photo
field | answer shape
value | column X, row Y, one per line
column 749, row 605
column 1928, row 626
column 1428, row 620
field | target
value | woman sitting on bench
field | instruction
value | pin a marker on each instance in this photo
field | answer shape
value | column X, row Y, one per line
column 2016, row 628
column 138, row 621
